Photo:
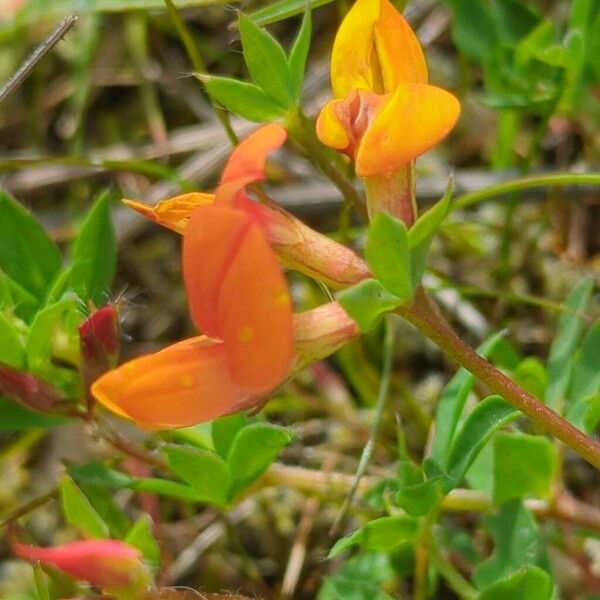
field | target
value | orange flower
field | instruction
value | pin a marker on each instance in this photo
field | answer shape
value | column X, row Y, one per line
column 385, row 113
column 238, row 297
column 296, row 245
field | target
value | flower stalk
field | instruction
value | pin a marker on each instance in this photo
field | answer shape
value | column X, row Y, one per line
column 423, row 314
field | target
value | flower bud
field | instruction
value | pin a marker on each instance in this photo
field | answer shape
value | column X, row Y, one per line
column 27, row 389
column 322, row 331
column 99, row 343
column 107, row 564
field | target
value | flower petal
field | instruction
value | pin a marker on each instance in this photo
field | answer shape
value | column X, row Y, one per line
column 333, row 125
column 184, row 384
column 173, row 213
column 239, row 295
column 247, row 162
column 375, row 49
column 255, row 315
column 415, row 118
column 212, row 241
column 398, row 50
column 351, row 66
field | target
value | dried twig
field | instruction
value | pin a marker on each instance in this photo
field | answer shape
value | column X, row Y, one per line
column 32, row 60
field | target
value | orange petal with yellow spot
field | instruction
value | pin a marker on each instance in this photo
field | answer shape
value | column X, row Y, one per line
column 375, row 49
column 247, row 162
column 173, row 213
column 255, row 314
column 238, row 294
column 212, row 241
column 414, row 119
column 184, row 384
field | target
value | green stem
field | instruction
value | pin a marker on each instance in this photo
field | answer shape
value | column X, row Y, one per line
column 199, row 66
column 384, row 386
column 303, row 133
column 25, row 509
column 454, row 579
column 423, row 314
column 526, row 183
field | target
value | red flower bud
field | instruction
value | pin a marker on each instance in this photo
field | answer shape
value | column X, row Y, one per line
column 99, row 342
column 107, row 564
column 27, row 389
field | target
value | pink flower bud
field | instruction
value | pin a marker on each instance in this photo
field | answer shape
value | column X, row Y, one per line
column 107, row 564
column 27, row 389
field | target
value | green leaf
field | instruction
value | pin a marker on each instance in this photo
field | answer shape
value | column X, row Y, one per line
column 360, row 578
column 14, row 417
column 380, row 535
column 480, row 475
column 527, row 583
column 415, row 493
column 417, row 499
column 586, row 370
column 388, row 255
column 514, row 19
column 12, row 350
column 524, row 466
column 243, row 99
column 366, row 302
column 487, row 417
column 14, row 298
column 531, row 374
column 474, row 31
column 421, row 234
column 253, row 449
column 568, row 334
column 284, row 9
column 140, row 536
column 266, row 62
column 53, row 334
column 205, row 471
column 94, row 254
column 40, row 579
column 585, row 413
column 452, row 402
column 298, row 56
column 224, row 431
column 164, row 487
column 517, row 543
column 98, row 474
column 198, row 435
column 27, row 254
column 79, row 512
column 104, row 504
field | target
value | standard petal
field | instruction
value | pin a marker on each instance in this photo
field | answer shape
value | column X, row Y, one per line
column 247, row 162
column 184, row 384
column 415, row 118
column 398, row 50
column 255, row 314
column 211, row 242
column 375, row 49
column 173, row 213
column 351, row 66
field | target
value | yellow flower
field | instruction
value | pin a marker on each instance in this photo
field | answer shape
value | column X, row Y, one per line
column 385, row 114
